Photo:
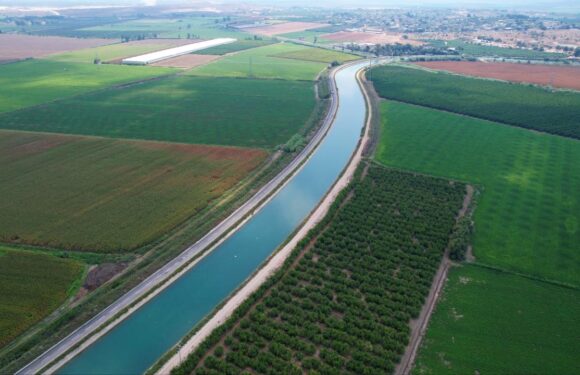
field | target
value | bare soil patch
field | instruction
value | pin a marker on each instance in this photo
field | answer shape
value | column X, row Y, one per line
column 371, row 38
column 284, row 28
column 187, row 61
column 17, row 47
column 101, row 274
column 555, row 75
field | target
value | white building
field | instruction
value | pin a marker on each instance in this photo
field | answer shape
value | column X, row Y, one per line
column 177, row 51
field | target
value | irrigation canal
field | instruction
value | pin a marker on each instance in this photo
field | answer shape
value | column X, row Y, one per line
column 137, row 342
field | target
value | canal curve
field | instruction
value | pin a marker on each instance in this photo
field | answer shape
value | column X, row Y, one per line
column 141, row 339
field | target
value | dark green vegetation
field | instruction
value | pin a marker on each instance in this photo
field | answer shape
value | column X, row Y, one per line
column 521, row 105
column 108, row 195
column 477, row 50
column 527, row 218
column 240, row 45
column 226, row 111
column 24, row 300
column 39, row 81
column 343, row 299
column 497, row 323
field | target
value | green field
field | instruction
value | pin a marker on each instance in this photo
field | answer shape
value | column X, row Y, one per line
column 318, row 55
column 197, row 27
column 491, row 322
column 32, row 285
column 487, row 51
column 342, row 302
column 39, row 81
column 225, row 111
column 107, row 53
column 240, row 45
column 521, row 105
column 528, row 217
column 107, row 195
column 263, row 63
column 311, row 36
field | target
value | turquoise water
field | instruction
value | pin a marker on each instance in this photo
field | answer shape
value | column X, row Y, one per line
column 137, row 342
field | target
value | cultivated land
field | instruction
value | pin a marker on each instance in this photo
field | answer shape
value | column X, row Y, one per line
column 312, row 36
column 284, row 28
column 92, row 189
column 527, row 217
column 240, row 45
column 552, row 75
column 197, row 27
column 226, row 111
column 317, row 55
column 497, row 323
column 263, row 63
column 118, row 51
column 186, row 61
column 367, row 37
column 487, row 51
column 352, row 285
column 32, row 285
column 34, row 82
column 16, row 46
column 521, row 105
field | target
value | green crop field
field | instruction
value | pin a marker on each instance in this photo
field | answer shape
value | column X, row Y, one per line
column 491, row 322
column 528, row 217
column 522, row 105
column 107, row 195
column 479, row 50
column 240, row 45
column 263, row 63
column 311, row 36
column 107, row 53
column 226, row 111
column 32, row 285
column 197, row 27
column 318, row 55
column 39, row 81
column 342, row 302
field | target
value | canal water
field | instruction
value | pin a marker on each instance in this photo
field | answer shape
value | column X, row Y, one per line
column 137, row 342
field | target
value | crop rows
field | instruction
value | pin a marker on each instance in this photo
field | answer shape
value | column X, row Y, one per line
column 343, row 300
column 521, row 105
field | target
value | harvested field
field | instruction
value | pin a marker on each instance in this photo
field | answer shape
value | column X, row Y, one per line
column 17, row 47
column 372, row 38
column 114, row 53
column 284, row 28
column 557, row 76
column 108, row 195
column 187, row 61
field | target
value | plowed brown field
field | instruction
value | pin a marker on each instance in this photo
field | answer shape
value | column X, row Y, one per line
column 373, row 38
column 16, row 47
column 284, row 28
column 557, row 76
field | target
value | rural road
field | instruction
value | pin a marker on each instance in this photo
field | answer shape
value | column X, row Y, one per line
column 161, row 275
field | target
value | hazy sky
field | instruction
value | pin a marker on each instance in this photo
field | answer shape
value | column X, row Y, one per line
column 550, row 5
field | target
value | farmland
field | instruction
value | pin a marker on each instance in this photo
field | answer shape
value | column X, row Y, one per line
column 498, row 323
column 240, row 45
column 25, row 300
column 478, row 50
column 38, row 81
column 260, row 113
column 527, row 217
column 118, row 51
column 526, row 106
column 263, row 63
column 317, row 55
column 16, row 47
column 312, row 36
column 342, row 301
column 92, row 190
column 284, row 28
column 553, row 75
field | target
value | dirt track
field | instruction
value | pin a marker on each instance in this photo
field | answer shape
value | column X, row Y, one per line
column 555, row 75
